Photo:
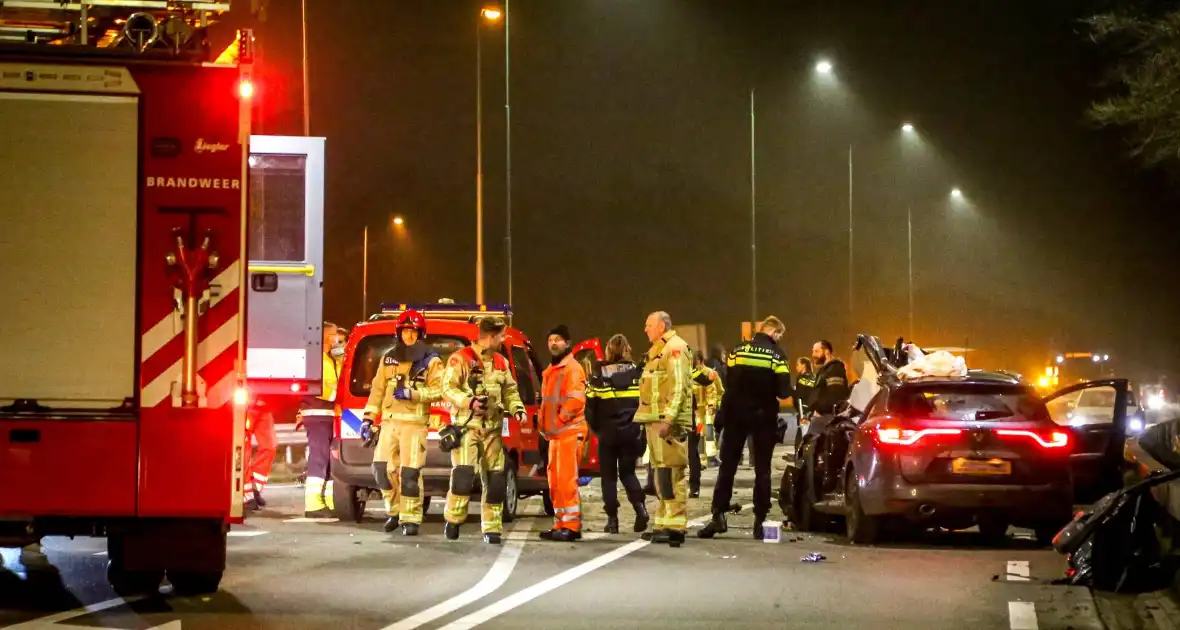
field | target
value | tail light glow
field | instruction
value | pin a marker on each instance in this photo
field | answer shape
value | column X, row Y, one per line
column 909, row 437
column 1055, row 439
column 246, row 88
column 241, row 396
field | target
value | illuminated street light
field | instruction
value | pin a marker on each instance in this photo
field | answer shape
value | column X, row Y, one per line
column 824, row 67
column 956, row 193
column 398, row 221
column 1060, row 359
column 1106, row 357
column 908, row 128
column 491, row 14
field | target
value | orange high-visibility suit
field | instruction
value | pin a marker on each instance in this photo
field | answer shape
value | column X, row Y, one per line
column 563, row 423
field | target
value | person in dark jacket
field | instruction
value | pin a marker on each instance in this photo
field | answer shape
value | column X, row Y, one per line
column 831, row 380
column 612, row 397
column 759, row 376
column 716, row 362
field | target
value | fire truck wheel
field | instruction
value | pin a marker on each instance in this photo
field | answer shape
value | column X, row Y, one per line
column 511, row 494
column 350, row 502
column 129, row 583
column 194, row 583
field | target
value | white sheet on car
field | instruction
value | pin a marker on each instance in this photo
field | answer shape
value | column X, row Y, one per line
column 941, row 363
column 865, row 388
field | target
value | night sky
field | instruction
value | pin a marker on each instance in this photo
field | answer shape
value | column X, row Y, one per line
column 631, row 171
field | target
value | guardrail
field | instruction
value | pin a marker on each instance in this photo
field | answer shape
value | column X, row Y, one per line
column 291, row 458
column 1168, row 494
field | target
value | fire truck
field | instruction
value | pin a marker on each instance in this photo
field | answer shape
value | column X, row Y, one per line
column 127, row 260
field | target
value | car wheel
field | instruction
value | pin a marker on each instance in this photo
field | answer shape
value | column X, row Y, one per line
column 809, row 520
column 349, row 502
column 511, row 496
column 786, row 493
column 994, row 529
column 862, row 528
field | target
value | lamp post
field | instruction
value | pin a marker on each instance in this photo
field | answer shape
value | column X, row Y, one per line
column 398, row 223
column 490, row 15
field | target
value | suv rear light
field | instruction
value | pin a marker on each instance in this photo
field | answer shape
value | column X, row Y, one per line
column 1053, row 439
column 909, row 437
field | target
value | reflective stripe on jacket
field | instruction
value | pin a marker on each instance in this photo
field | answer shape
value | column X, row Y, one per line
column 563, row 398
column 665, row 389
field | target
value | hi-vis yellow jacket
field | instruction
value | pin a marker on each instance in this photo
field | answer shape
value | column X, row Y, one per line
column 665, row 388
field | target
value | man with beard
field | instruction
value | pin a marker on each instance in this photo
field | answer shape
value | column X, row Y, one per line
column 563, row 423
column 831, row 380
column 479, row 385
column 408, row 380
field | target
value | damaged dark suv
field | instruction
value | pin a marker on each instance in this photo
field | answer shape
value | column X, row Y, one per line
column 976, row 449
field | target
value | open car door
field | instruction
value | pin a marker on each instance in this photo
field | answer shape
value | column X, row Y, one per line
column 1095, row 412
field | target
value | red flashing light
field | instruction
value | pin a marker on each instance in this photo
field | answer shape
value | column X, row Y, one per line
column 246, row 89
column 1056, row 439
column 909, row 437
column 241, row 396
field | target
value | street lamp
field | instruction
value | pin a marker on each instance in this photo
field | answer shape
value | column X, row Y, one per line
column 488, row 15
column 399, row 224
column 823, row 66
column 908, row 128
column 956, row 193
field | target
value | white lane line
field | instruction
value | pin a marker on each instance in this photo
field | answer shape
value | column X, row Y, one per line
column 1022, row 616
column 519, row 598
column 246, row 533
column 43, row 622
column 1018, row 570
column 492, row 580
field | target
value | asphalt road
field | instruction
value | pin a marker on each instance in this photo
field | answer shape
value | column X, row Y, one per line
column 289, row 574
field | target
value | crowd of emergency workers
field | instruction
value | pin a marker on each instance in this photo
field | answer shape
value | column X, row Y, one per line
column 670, row 405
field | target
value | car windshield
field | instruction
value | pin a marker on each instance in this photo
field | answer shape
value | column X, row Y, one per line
column 967, row 402
column 1094, row 405
column 371, row 349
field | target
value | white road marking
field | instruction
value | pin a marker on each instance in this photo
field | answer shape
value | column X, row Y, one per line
column 246, row 533
column 304, row 519
column 1018, row 570
column 44, row 623
column 492, row 580
column 1022, row 616
column 520, row 598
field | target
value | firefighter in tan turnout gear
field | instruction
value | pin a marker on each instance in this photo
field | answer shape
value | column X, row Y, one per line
column 479, row 386
column 408, row 380
column 665, row 408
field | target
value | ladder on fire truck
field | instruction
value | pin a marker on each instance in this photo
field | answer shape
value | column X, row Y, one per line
column 176, row 25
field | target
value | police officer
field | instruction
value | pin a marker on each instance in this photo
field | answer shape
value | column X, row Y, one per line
column 408, row 380
column 665, row 408
column 758, row 377
column 612, row 397
column 315, row 415
column 479, row 385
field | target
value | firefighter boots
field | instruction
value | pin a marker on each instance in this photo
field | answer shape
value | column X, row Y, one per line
column 409, row 529
column 320, row 513
column 675, row 538
column 391, row 524
column 491, row 538
column 716, row 526
column 451, row 530
column 561, row 535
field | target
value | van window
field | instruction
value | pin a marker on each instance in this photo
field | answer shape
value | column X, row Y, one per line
column 526, row 378
column 372, row 349
column 278, row 185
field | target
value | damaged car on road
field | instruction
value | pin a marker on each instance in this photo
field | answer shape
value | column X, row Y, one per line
column 941, row 447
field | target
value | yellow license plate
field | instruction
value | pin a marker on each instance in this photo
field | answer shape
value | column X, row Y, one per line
column 964, row 466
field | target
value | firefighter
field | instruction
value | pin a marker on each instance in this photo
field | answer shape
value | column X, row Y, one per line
column 665, row 409
column 315, row 415
column 562, row 421
column 706, row 398
column 612, row 398
column 407, row 382
column 479, row 386
column 758, row 377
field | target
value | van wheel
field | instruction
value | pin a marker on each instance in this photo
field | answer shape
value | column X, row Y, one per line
column 862, row 529
column 349, row 504
column 511, row 494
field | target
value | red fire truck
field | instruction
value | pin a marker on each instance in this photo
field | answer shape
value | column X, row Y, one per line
column 123, row 270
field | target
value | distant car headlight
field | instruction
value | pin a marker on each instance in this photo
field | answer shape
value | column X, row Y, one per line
column 1155, row 402
column 1135, row 425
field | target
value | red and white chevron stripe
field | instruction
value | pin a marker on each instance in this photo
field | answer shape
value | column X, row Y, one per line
column 162, row 349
